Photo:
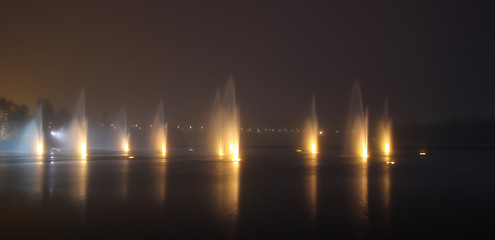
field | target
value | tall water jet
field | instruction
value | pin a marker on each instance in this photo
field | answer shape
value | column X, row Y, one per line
column 357, row 125
column 33, row 137
column 122, row 127
column 386, row 131
column 159, row 132
column 311, row 130
column 226, row 123
column 79, row 128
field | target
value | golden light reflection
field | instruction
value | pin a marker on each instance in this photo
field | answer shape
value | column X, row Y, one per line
column 161, row 182
column 125, row 180
column 386, row 191
column 228, row 191
column 364, row 190
column 312, row 186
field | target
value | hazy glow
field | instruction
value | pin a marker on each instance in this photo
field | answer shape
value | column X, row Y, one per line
column 78, row 130
column 39, row 148
column 124, row 133
column 311, row 130
column 422, row 153
column 357, row 125
column 386, row 130
column 126, row 147
column 225, row 123
column 159, row 131
column 83, row 150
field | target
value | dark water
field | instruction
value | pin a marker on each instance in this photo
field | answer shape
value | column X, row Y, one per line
column 271, row 193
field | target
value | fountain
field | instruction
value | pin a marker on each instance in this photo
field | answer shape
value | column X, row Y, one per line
column 386, row 130
column 159, row 132
column 226, row 122
column 311, row 130
column 33, row 134
column 78, row 129
column 122, row 127
column 357, row 125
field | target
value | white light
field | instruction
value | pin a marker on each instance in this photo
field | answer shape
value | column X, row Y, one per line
column 53, row 133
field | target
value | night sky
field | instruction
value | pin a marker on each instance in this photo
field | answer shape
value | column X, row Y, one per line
column 433, row 60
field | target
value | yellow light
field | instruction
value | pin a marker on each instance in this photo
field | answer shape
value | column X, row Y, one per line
column 126, row 147
column 422, row 153
column 365, row 151
column 220, row 152
column 313, row 148
column 387, row 148
column 298, row 150
column 164, row 149
column 83, row 150
column 39, row 148
column 235, row 153
column 393, row 162
column 131, row 157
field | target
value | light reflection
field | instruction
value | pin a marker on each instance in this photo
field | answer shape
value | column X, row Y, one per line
column 125, row 180
column 312, row 185
column 161, row 183
column 386, row 190
column 228, row 190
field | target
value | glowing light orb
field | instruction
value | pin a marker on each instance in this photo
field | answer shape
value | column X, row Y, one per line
column 83, row 150
column 39, row 148
column 365, row 151
column 387, row 148
column 313, row 148
column 235, row 153
column 126, row 147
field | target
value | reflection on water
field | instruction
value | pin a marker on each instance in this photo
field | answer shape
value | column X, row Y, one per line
column 161, row 171
column 228, row 191
column 312, row 185
column 386, row 190
column 125, row 179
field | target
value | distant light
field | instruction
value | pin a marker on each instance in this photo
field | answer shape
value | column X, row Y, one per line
column 422, row 153
column 191, row 149
column 131, row 157
column 321, row 132
column 53, row 133
column 190, row 127
column 298, row 150
column 51, row 162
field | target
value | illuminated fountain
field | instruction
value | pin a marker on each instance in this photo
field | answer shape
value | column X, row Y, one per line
column 226, row 123
column 78, row 130
column 159, row 132
column 386, row 131
column 357, row 125
column 311, row 130
column 33, row 134
column 124, row 133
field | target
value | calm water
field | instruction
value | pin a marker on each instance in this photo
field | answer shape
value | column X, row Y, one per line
column 271, row 193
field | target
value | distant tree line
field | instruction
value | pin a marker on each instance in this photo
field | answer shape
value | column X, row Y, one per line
column 13, row 117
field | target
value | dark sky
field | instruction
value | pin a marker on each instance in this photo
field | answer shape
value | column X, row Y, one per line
column 432, row 59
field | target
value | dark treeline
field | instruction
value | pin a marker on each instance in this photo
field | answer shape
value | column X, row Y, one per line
column 12, row 118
